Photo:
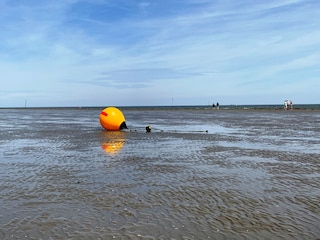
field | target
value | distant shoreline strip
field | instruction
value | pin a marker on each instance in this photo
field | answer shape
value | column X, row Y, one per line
column 186, row 107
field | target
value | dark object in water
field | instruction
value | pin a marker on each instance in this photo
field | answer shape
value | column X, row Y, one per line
column 148, row 129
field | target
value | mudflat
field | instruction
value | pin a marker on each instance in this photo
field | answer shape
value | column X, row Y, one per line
column 199, row 174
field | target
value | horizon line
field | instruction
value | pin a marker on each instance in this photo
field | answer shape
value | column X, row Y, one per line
column 159, row 106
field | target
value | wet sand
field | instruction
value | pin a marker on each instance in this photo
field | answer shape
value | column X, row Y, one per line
column 253, row 175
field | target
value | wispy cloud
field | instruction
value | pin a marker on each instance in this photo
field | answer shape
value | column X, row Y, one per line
column 202, row 48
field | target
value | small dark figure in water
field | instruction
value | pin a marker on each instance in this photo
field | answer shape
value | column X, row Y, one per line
column 218, row 105
column 148, row 129
column 291, row 105
column 213, row 105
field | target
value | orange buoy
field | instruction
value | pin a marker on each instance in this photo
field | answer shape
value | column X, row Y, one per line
column 112, row 119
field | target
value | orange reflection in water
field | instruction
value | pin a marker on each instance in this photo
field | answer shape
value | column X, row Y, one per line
column 112, row 141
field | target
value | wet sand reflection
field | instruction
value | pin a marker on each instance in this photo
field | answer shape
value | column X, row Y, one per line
column 254, row 177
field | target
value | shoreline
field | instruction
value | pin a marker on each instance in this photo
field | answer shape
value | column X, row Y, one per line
column 279, row 107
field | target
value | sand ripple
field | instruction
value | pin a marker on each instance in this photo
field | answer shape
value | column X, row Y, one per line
column 255, row 181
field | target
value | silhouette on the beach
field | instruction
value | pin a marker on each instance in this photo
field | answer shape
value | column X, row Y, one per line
column 215, row 106
column 288, row 104
column 285, row 104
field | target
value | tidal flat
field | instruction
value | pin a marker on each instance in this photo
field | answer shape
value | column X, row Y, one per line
column 199, row 174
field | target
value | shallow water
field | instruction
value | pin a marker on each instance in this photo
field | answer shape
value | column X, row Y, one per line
column 252, row 175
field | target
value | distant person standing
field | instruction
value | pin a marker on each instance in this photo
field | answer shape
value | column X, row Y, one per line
column 285, row 104
column 217, row 106
column 291, row 105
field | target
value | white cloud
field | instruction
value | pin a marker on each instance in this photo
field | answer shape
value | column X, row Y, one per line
column 156, row 51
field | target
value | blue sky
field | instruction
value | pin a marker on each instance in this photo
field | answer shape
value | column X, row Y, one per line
column 160, row 52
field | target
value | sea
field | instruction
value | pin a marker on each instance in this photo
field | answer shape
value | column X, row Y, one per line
column 240, row 172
